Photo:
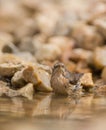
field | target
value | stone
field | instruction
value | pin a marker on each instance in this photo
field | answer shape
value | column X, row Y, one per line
column 99, row 57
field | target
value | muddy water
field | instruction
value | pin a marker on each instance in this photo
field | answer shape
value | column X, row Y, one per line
column 49, row 112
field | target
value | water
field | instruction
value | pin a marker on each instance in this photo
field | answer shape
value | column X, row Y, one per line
column 50, row 112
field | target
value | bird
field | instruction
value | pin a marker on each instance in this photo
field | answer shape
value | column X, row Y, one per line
column 64, row 82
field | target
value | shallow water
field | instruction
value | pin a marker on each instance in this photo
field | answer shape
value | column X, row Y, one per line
column 49, row 112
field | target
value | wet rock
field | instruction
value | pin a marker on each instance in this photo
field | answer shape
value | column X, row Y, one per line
column 86, row 36
column 104, row 74
column 5, row 90
column 27, row 91
column 3, row 87
column 99, row 59
column 87, row 81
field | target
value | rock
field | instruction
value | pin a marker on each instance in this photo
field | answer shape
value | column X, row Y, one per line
column 83, row 58
column 29, row 75
column 99, row 59
column 86, row 36
column 7, row 47
column 71, row 66
column 17, row 80
column 9, row 69
column 97, row 12
column 49, row 52
column 26, row 28
column 30, row 5
column 27, row 91
column 61, row 41
column 65, row 23
column 65, row 44
column 99, row 82
column 39, row 77
column 104, row 74
column 46, row 21
column 9, row 64
column 44, row 67
column 26, row 55
column 82, row 67
column 27, row 45
column 86, row 80
column 10, row 58
column 44, row 81
column 100, row 87
column 54, row 49
column 100, row 23
column 5, row 90
column 80, row 54
column 10, row 48
column 38, row 40
column 6, row 37
column 3, row 87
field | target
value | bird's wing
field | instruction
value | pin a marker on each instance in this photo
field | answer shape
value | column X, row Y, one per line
column 73, row 77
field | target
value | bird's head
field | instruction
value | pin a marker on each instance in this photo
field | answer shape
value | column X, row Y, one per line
column 59, row 67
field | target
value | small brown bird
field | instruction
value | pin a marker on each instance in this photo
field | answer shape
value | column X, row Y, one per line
column 64, row 82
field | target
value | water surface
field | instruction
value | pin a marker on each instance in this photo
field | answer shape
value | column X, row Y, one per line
column 49, row 112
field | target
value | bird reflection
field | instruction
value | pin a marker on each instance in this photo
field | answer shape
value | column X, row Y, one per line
column 61, row 107
column 43, row 105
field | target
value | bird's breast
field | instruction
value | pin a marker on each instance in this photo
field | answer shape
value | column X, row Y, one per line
column 59, row 84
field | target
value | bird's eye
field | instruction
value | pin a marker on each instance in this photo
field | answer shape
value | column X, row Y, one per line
column 59, row 65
